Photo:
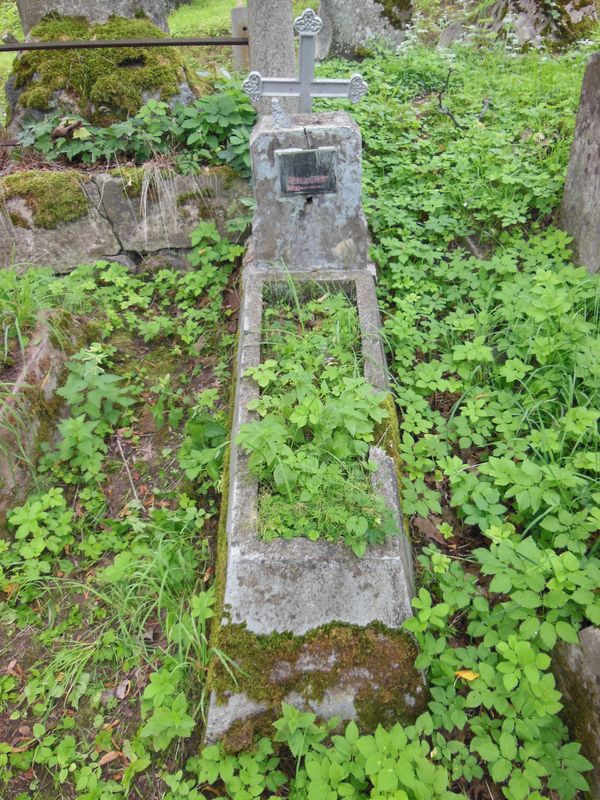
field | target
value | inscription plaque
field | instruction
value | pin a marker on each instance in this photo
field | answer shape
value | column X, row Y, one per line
column 307, row 171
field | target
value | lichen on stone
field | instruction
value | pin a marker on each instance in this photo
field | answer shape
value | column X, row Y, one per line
column 51, row 197
column 102, row 85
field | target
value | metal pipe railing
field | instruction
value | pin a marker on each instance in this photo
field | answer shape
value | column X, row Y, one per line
column 190, row 41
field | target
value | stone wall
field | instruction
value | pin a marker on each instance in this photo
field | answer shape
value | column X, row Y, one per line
column 125, row 215
column 32, row 11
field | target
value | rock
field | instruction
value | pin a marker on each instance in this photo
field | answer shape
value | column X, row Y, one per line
column 534, row 21
column 302, row 230
column 102, row 90
column 272, row 48
column 29, row 412
column 452, row 34
column 580, row 210
column 115, row 217
column 160, row 212
column 577, row 672
column 33, row 11
column 30, row 234
column 351, row 25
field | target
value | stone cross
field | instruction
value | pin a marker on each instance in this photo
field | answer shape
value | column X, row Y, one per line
column 305, row 87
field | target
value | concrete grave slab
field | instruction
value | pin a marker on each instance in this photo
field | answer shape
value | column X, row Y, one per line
column 302, row 228
column 298, row 589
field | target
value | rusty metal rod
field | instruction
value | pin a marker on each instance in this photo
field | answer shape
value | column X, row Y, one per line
column 191, row 41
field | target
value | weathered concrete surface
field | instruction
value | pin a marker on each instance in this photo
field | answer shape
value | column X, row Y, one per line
column 81, row 241
column 580, row 211
column 297, row 586
column 299, row 231
column 577, row 672
column 124, row 220
column 272, row 49
column 365, row 675
column 26, row 411
column 32, row 11
column 349, row 25
column 533, row 21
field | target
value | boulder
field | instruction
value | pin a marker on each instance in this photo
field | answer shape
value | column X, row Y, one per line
column 153, row 212
column 577, row 672
column 33, row 11
column 534, row 21
column 50, row 219
column 350, row 25
column 101, row 86
column 63, row 219
column 580, row 211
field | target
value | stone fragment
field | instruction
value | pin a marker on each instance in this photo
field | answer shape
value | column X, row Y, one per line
column 577, row 672
column 351, row 25
column 29, row 411
column 580, row 211
column 304, row 230
column 32, row 11
column 455, row 32
column 272, row 48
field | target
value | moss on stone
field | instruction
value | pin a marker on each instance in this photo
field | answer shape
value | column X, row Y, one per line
column 397, row 11
column 103, row 85
column 52, row 197
column 374, row 663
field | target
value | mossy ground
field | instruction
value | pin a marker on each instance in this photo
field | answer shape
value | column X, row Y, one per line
column 103, row 85
column 52, row 197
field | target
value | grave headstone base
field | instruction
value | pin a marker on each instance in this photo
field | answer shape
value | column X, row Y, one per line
column 306, row 217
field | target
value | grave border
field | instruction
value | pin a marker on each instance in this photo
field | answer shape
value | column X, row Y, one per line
column 386, row 568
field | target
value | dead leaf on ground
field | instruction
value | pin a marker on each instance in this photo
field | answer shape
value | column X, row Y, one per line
column 123, row 689
column 428, row 529
column 108, row 757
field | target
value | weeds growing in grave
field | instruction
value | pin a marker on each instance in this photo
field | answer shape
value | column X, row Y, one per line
column 318, row 417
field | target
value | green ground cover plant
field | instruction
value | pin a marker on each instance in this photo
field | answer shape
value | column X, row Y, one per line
column 318, row 416
column 210, row 131
column 492, row 337
column 106, row 601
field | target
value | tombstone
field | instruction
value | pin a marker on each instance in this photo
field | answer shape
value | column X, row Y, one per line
column 580, row 211
column 271, row 36
column 307, row 172
column 32, row 11
column 239, row 29
column 350, row 26
column 576, row 668
column 307, row 622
